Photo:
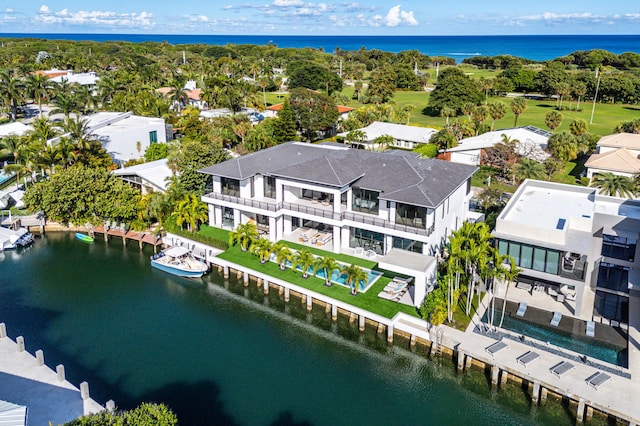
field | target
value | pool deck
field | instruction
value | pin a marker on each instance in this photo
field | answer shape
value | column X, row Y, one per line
column 24, row 382
column 618, row 396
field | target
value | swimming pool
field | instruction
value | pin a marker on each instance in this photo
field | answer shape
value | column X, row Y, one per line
column 573, row 342
column 338, row 278
column 4, row 177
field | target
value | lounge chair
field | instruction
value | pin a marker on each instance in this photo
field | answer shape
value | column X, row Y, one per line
column 562, row 368
column 496, row 347
column 597, row 379
column 527, row 358
column 591, row 329
column 358, row 251
column 557, row 316
column 522, row 308
column 394, row 287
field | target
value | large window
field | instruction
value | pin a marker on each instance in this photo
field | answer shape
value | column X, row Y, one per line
column 415, row 216
column 227, row 217
column 618, row 247
column 153, row 136
column 612, row 306
column 365, row 201
column 613, row 277
column 536, row 258
column 368, row 240
column 269, row 186
column 407, row 244
column 317, row 196
column 230, row 186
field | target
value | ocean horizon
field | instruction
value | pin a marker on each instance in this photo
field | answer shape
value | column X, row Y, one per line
column 533, row 47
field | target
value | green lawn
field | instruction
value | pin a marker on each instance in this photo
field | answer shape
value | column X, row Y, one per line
column 368, row 300
column 213, row 232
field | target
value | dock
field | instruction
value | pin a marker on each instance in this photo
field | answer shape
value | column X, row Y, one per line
column 25, row 380
column 141, row 237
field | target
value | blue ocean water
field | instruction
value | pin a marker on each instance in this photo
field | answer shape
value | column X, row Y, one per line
column 534, row 47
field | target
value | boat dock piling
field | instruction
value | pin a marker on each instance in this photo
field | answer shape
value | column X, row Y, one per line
column 26, row 380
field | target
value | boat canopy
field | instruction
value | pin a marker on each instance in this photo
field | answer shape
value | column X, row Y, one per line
column 176, row 251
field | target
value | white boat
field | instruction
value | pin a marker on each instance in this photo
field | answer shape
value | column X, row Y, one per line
column 10, row 239
column 179, row 261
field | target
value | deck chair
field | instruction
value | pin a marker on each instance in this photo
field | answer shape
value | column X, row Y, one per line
column 496, row 347
column 527, row 358
column 562, row 368
column 557, row 316
column 522, row 308
column 591, row 329
column 597, row 379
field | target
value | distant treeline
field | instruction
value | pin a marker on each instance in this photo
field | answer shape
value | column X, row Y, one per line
column 591, row 59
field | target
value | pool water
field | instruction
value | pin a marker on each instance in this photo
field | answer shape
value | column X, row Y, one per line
column 4, row 177
column 339, row 278
column 576, row 343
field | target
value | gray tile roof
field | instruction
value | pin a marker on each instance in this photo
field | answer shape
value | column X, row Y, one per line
column 399, row 175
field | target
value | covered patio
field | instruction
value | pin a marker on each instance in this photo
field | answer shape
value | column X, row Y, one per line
column 417, row 266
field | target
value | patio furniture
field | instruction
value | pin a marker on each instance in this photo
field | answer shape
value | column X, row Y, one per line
column 557, row 316
column 591, row 329
column 552, row 291
column 597, row 379
column 524, row 286
column 522, row 308
column 358, row 251
column 560, row 297
column 562, row 368
column 370, row 253
column 527, row 358
column 496, row 347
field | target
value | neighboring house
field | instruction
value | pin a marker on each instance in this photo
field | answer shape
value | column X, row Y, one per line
column 147, row 177
column 532, row 145
column 404, row 136
column 120, row 132
column 192, row 92
column 618, row 154
column 575, row 243
column 396, row 205
column 89, row 79
column 344, row 111
column 255, row 116
column 15, row 128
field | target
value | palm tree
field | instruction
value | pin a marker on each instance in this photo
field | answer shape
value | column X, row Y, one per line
column 304, row 259
column 79, row 131
column 357, row 136
column 11, row 92
column 487, row 85
column 553, row 120
column 262, row 247
column 39, row 88
column 447, row 113
column 191, row 210
column 283, row 253
column 354, row 277
column 178, row 95
column 518, row 106
column 467, row 109
column 65, row 103
column 529, row 169
column 510, row 275
column 244, row 234
column 327, row 265
column 480, row 114
column 497, row 111
column 384, row 141
column 578, row 127
column 614, row 185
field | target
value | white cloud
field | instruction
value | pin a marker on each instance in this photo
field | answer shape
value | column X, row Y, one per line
column 288, row 3
column 94, row 18
column 395, row 17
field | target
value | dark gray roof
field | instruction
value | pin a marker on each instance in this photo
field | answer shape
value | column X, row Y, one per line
column 398, row 175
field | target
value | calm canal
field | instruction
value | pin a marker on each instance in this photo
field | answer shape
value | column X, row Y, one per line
column 221, row 355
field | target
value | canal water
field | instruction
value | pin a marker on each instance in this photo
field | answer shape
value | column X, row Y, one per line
column 221, row 354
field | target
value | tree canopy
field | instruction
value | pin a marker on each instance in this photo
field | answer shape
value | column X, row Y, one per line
column 453, row 90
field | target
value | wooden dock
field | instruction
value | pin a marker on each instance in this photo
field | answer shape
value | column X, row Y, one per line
column 141, row 237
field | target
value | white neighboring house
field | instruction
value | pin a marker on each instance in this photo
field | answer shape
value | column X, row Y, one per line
column 617, row 153
column 392, row 206
column 146, row 177
column 89, row 79
column 403, row 136
column 567, row 237
column 15, row 128
column 120, row 132
column 532, row 145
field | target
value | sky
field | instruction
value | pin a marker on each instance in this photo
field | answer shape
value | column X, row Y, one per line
column 322, row 17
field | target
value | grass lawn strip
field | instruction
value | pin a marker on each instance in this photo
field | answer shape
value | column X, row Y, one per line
column 368, row 301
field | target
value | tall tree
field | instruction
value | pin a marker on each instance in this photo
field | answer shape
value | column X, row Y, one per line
column 497, row 111
column 518, row 106
column 39, row 88
column 454, row 89
column 553, row 120
column 313, row 112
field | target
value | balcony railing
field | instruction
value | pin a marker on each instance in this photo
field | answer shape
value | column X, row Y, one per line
column 272, row 207
column 324, row 213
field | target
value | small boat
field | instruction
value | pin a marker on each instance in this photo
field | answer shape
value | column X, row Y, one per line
column 84, row 237
column 179, row 261
column 10, row 239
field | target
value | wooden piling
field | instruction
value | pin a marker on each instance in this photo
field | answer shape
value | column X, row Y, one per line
column 535, row 393
column 580, row 411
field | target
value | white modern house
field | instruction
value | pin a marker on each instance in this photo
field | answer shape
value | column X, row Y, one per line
column 123, row 135
column 89, row 79
column 403, row 136
column 14, row 128
column 531, row 143
column 395, row 207
column 579, row 246
column 146, row 177
column 617, row 153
